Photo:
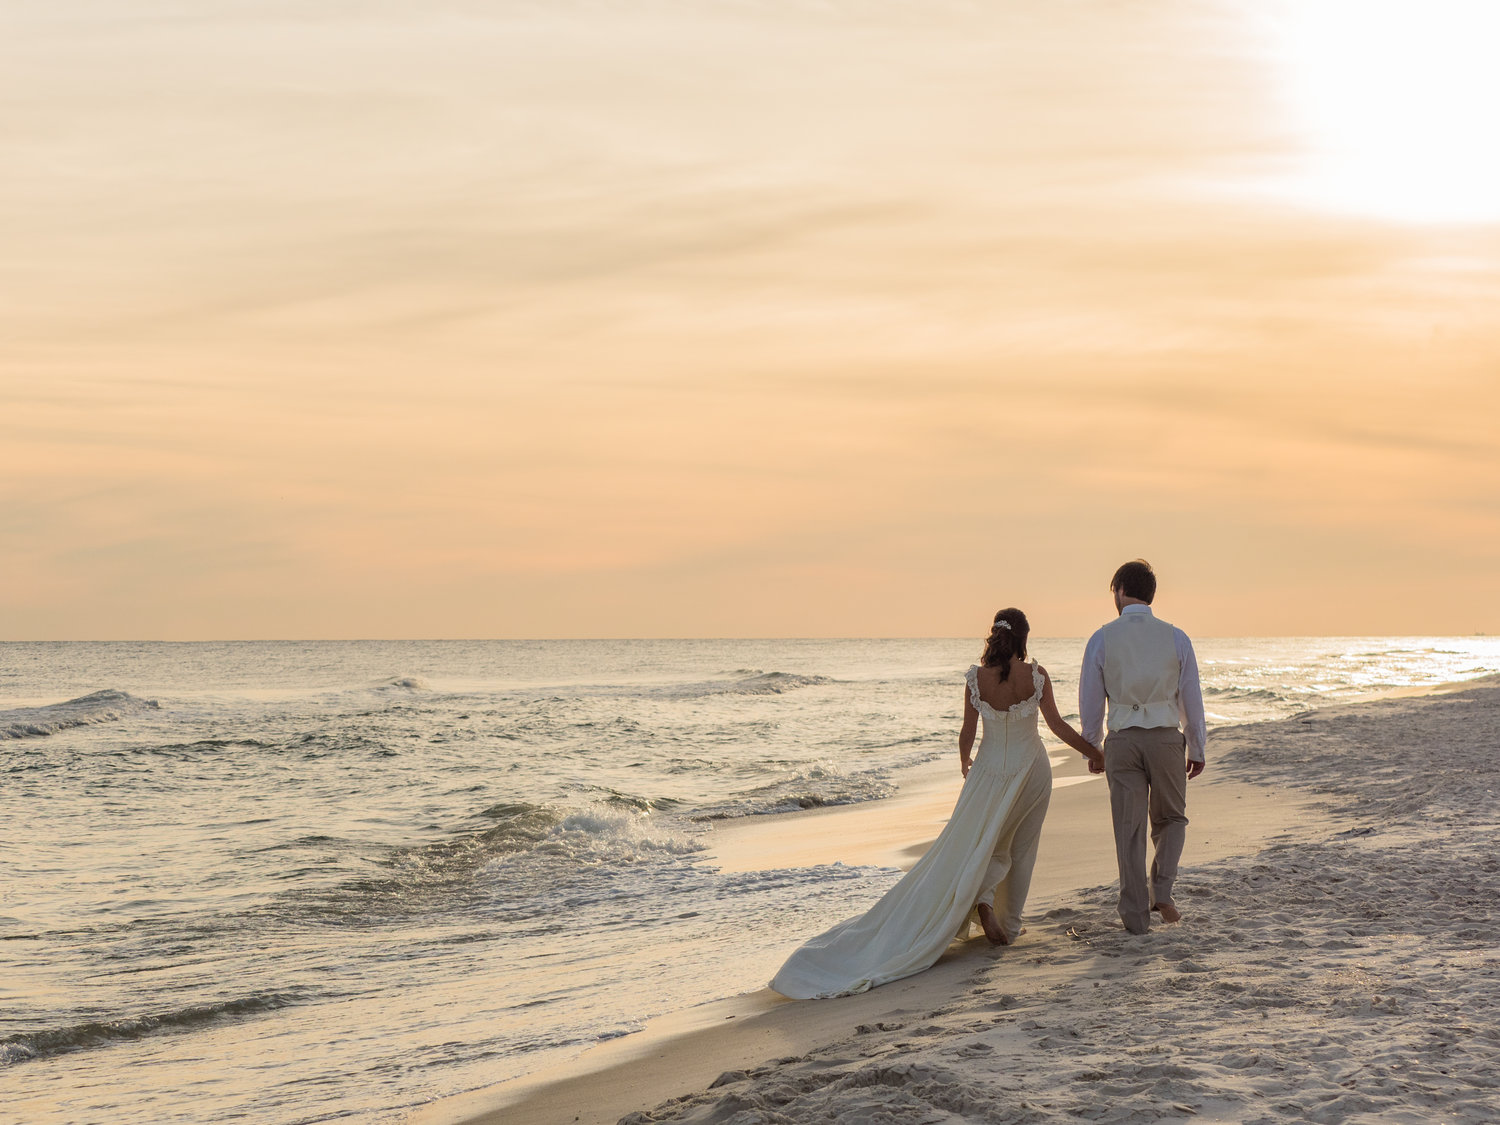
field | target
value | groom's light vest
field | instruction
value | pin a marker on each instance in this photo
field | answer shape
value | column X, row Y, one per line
column 1141, row 672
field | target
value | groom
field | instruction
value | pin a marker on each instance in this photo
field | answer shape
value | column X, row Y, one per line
column 1146, row 671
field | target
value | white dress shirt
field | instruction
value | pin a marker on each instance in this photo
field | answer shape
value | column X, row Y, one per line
column 1092, row 699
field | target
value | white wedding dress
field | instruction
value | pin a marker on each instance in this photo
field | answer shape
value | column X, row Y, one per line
column 985, row 853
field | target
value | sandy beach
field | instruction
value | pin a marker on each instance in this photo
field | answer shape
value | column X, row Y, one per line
column 1336, row 961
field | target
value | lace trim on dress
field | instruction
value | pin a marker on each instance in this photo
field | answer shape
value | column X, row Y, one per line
column 972, row 676
column 1024, row 706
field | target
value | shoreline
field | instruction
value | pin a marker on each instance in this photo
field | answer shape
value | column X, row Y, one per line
column 685, row 1051
column 1295, row 941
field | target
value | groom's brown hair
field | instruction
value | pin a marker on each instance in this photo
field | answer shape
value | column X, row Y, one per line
column 1135, row 580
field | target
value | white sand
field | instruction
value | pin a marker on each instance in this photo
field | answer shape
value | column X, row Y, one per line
column 1342, row 968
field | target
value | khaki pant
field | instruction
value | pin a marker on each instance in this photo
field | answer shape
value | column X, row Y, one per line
column 1147, row 773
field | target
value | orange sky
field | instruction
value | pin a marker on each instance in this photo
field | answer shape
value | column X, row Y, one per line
column 867, row 318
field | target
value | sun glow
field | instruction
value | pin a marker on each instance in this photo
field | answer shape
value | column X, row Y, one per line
column 1399, row 101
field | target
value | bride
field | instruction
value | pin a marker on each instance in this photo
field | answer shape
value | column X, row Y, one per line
column 979, row 868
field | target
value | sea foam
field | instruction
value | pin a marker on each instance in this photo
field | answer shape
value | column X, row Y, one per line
column 106, row 706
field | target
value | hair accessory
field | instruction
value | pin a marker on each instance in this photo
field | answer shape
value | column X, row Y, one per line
column 1001, row 624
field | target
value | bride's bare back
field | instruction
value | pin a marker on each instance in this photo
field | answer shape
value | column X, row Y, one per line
column 1004, row 694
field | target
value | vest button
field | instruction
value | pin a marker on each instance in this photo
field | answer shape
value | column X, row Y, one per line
column 1135, row 706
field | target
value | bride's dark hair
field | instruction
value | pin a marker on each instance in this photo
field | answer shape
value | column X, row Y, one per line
column 1007, row 639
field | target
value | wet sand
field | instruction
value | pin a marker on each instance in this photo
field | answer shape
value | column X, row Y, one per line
column 1336, row 960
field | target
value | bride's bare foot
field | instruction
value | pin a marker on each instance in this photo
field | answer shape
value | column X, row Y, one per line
column 1168, row 912
column 991, row 924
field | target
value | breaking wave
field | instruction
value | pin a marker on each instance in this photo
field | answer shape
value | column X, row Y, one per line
column 1245, row 694
column 550, row 846
column 25, row 1045
column 404, row 684
column 816, row 786
column 106, row 706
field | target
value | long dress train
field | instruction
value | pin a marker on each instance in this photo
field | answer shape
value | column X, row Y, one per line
column 985, row 853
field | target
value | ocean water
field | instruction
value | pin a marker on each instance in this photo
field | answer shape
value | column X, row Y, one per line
column 297, row 881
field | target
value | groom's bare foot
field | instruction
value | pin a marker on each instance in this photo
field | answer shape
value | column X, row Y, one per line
column 992, row 928
column 1168, row 912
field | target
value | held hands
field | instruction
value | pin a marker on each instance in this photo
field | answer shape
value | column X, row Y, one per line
column 1096, row 762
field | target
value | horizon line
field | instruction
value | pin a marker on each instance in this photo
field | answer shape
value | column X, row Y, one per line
column 630, row 639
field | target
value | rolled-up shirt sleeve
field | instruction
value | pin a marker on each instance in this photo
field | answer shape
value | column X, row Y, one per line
column 1189, row 697
column 1091, row 699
